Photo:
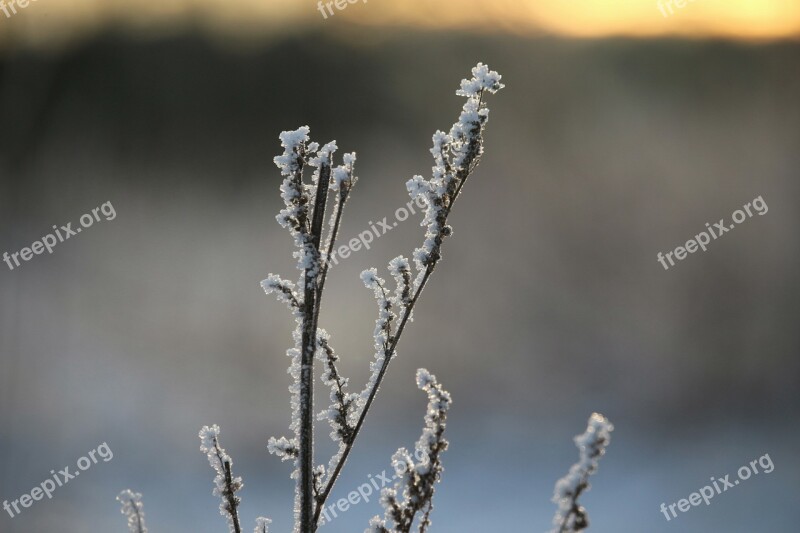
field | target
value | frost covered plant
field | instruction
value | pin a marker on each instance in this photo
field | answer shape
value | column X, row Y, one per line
column 456, row 154
column 133, row 509
column 570, row 516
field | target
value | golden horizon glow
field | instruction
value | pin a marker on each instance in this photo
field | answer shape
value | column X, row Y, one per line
column 50, row 22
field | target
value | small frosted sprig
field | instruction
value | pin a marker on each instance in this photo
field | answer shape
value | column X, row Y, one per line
column 318, row 481
column 284, row 290
column 483, row 79
column 571, row 517
column 322, row 162
column 455, row 155
column 284, row 448
column 297, row 195
column 340, row 414
column 294, row 147
column 323, row 158
column 383, row 326
column 414, row 488
column 133, row 509
column 225, row 485
column 342, row 181
column 262, row 525
column 343, row 178
column 400, row 269
column 377, row 525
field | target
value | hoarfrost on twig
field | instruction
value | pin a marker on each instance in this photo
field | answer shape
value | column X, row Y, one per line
column 225, row 485
column 133, row 509
column 571, row 517
column 414, row 488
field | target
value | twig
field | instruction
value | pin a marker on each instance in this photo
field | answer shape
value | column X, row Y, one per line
column 389, row 354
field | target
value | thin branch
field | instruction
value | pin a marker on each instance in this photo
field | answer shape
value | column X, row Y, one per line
column 225, row 485
column 133, row 509
column 337, row 220
column 138, row 517
column 416, row 482
column 389, row 354
column 343, row 402
column 233, row 502
column 570, row 517
column 309, row 340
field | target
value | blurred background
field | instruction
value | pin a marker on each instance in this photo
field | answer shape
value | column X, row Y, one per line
column 621, row 132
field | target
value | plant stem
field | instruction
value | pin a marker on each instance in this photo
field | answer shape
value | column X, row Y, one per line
column 232, row 504
column 138, row 516
column 331, row 241
column 309, row 342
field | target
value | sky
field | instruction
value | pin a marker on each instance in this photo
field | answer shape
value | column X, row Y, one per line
column 52, row 23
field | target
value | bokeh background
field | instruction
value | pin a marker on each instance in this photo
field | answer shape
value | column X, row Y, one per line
column 620, row 133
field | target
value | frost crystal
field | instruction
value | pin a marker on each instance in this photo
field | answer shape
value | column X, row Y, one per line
column 284, row 448
column 284, row 290
column 343, row 178
column 296, row 195
column 262, row 525
column 571, row 517
column 483, row 79
column 294, row 143
column 377, row 525
column 383, row 328
column 133, row 509
column 400, row 269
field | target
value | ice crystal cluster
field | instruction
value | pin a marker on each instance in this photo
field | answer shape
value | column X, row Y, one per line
column 570, row 516
column 454, row 155
column 133, row 509
column 262, row 525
